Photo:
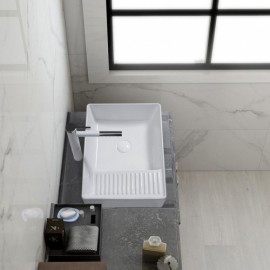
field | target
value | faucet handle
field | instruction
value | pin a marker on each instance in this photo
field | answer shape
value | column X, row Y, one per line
column 82, row 128
column 72, row 128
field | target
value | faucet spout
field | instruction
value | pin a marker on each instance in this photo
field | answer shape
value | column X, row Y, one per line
column 74, row 133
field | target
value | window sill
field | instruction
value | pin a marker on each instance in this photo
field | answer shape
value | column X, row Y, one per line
column 181, row 76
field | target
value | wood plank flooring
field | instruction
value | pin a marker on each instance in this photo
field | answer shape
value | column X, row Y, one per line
column 225, row 220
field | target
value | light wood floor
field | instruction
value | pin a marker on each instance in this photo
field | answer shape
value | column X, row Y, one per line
column 225, row 220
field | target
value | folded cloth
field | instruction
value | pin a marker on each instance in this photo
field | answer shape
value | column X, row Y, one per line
column 83, row 239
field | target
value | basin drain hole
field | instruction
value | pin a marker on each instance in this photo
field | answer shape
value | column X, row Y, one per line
column 124, row 146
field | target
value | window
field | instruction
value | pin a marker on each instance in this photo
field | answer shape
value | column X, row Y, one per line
column 188, row 34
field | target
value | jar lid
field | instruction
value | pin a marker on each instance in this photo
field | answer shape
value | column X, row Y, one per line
column 154, row 241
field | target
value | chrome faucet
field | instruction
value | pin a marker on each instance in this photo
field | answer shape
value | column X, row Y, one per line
column 74, row 133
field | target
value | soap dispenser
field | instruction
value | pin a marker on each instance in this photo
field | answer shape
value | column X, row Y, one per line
column 153, row 249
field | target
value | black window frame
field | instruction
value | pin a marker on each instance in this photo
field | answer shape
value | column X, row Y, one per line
column 214, row 12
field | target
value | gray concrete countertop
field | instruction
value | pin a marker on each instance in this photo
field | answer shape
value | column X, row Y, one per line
column 124, row 229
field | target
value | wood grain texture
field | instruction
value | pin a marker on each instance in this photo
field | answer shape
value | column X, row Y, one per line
column 225, row 220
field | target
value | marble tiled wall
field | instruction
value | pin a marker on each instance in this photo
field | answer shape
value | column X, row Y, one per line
column 217, row 126
column 35, row 95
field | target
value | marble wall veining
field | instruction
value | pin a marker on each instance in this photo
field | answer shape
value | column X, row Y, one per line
column 35, row 95
column 218, row 126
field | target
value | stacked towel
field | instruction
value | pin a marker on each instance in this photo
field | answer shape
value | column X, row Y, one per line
column 83, row 240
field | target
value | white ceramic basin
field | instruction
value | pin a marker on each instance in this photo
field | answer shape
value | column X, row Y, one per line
column 125, row 171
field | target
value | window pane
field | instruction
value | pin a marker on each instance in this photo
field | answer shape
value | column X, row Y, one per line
column 244, row 4
column 155, row 40
column 242, row 40
column 161, row 4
